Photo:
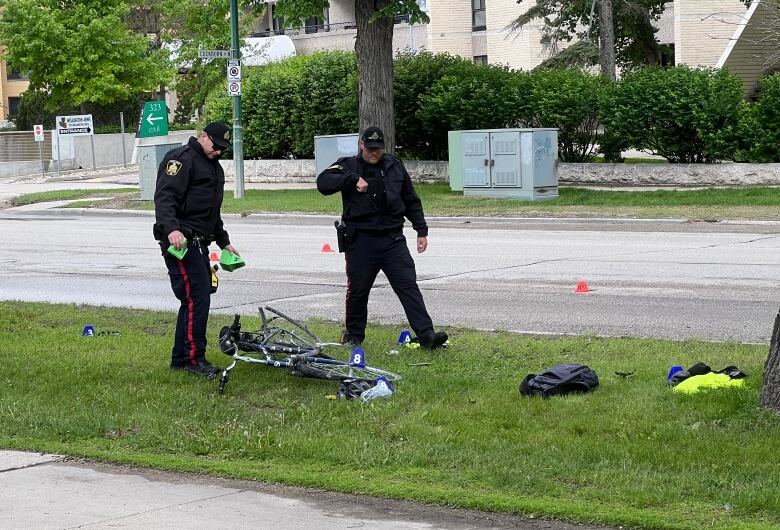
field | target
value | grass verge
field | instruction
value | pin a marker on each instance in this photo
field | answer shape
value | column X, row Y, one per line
column 709, row 204
column 456, row 432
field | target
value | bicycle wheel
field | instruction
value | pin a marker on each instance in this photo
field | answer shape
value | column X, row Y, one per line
column 324, row 368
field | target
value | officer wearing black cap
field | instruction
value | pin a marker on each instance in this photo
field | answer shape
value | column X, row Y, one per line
column 187, row 202
column 377, row 194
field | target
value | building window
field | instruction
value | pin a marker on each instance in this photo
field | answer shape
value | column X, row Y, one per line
column 17, row 74
column 478, row 15
column 277, row 22
column 13, row 106
column 315, row 24
column 480, row 59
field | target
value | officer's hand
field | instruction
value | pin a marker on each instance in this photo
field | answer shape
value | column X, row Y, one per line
column 232, row 250
column 177, row 239
column 422, row 244
column 362, row 185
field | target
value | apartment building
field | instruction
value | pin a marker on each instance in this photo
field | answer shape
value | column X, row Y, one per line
column 12, row 85
column 693, row 32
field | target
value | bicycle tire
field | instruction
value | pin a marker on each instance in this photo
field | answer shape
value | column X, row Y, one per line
column 335, row 370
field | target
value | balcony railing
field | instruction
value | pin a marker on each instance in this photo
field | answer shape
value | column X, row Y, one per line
column 320, row 28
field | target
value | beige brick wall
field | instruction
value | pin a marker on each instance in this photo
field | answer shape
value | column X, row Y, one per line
column 450, row 27
column 703, row 28
column 341, row 11
column 518, row 49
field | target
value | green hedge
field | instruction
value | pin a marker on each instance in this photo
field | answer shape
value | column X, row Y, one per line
column 681, row 113
column 758, row 133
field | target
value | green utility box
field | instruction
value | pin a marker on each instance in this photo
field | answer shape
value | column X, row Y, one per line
column 510, row 163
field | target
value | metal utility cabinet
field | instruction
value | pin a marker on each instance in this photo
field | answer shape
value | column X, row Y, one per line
column 511, row 163
column 151, row 152
column 328, row 149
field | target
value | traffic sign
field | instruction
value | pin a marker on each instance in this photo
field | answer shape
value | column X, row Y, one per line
column 234, row 88
column 234, row 70
column 215, row 54
column 153, row 120
column 80, row 125
column 38, row 131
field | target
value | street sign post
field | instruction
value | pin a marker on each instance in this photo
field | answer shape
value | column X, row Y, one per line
column 215, row 54
column 38, row 132
column 79, row 125
column 153, row 120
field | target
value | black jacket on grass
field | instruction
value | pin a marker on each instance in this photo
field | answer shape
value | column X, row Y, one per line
column 391, row 196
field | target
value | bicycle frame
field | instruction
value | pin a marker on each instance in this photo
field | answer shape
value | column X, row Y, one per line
column 293, row 347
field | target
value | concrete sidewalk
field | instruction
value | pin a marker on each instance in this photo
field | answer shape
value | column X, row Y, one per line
column 45, row 491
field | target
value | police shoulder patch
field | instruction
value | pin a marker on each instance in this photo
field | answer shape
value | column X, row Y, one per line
column 336, row 166
column 173, row 167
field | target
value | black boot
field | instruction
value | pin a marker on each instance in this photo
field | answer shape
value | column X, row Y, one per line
column 433, row 341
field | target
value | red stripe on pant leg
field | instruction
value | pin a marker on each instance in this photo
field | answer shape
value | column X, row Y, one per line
column 190, row 311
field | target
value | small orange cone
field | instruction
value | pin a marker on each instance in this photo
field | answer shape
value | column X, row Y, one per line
column 582, row 287
column 326, row 248
column 214, row 256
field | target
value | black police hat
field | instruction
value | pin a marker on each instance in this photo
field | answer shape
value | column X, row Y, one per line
column 373, row 137
column 219, row 132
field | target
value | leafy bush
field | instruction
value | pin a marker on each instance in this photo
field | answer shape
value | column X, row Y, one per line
column 759, row 125
column 567, row 99
column 472, row 96
column 414, row 75
column 287, row 103
column 683, row 114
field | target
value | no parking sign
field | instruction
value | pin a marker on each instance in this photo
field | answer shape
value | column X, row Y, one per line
column 38, row 131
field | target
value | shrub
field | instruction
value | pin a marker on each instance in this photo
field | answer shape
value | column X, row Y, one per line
column 683, row 114
column 414, row 75
column 759, row 124
column 105, row 118
column 472, row 96
column 567, row 99
column 286, row 104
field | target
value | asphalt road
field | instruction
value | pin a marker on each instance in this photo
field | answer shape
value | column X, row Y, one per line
column 666, row 279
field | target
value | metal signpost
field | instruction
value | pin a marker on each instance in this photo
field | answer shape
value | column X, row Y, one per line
column 80, row 125
column 238, row 131
column 38, row 132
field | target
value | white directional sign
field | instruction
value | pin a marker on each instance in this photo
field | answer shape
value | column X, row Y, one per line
column 38, row 131
column 234, row 70
column 80, row 125
column 215, row 54
column 234, row 88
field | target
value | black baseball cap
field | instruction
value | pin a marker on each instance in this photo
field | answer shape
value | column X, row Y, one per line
column 373, row 137
column 219, row 132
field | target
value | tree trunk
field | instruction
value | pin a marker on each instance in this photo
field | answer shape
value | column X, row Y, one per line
column 374, row 51
column 770, row 389
column 607, row 40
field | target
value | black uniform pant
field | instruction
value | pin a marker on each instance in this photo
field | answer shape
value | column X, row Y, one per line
column 366, row 255
column 191, row 283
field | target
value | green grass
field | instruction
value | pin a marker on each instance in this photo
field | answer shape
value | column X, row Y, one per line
column 762, row 203
column 456, row 432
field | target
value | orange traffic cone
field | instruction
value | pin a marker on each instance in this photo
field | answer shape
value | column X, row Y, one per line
column 326, row 248
column 214, row 256
column 582, row 287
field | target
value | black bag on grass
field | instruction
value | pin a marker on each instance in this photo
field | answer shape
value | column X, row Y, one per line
column 560, row 380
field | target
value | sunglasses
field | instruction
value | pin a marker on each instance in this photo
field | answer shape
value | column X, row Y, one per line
column 214, row 144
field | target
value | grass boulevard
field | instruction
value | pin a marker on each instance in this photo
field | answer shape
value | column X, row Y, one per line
column 705, row 204
column 456, row 432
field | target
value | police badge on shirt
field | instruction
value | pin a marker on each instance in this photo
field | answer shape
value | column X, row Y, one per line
column 173, row 167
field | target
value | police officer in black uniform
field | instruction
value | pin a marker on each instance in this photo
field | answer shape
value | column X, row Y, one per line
column 187, row 202
column 377, row 193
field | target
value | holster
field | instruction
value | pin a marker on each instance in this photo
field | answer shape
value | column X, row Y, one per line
column 343, row 235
